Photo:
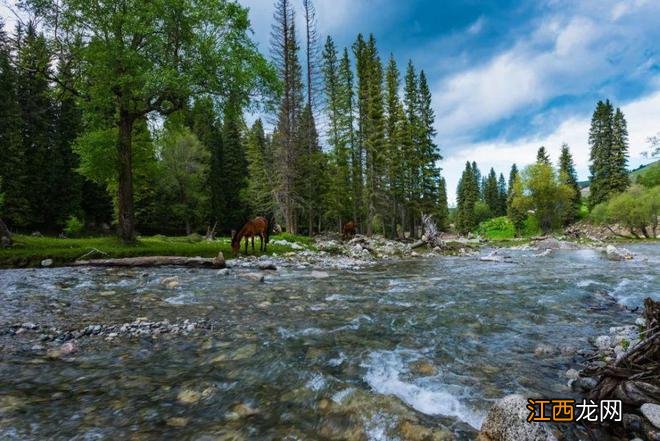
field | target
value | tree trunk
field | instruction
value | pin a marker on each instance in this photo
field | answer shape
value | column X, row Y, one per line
column 5, row 235
column 125, row 184
column 151, row 261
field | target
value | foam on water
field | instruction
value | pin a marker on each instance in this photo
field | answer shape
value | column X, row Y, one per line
column 383, row 375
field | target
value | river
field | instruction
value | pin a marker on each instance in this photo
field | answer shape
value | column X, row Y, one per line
column 330, row 354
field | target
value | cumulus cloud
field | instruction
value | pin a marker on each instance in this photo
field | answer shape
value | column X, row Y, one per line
column 642, row 115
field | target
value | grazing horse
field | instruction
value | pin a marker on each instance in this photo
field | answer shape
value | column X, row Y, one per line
column 258, row 226
column 349, row 229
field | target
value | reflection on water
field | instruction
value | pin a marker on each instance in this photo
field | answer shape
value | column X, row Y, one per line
column 302, row 358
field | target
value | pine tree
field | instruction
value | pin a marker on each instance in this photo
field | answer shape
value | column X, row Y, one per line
column 600, row 139
column 234, row 168
column 338, row 198
column 395, row 132
column 427, row 150
column 13, row 171
column 467, row 195
column 491, row 193
column 310, row 169
column 37, row 116
column 619, row 177
column 442, row 212
column 542, row 156
column 502, row 195
column 206, row 126
column 476, row 175
column 63, row 162
column 411, row 141
column 568, row 176
column 347, row 106
column 260, row 167
column 512, row 177
column 285, row 54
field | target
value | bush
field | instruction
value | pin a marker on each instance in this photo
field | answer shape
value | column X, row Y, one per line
column 636, row 209
column 74, row 227
column 497, row 228
column 531, row 226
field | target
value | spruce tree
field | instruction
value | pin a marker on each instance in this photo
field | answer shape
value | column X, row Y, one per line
column 512, row 177
column 13, row 165
column 347, row 112
column 394, row 154
column 427, row 151
column 260, row 167
column 491, row 194
column 37, row 130
column 285, row 53
column 619, row 177
column 411, row 175
column 234, row 168
column 568, row 176
column 502, row 193
column 467, row 195
column 542, row 156
column 442, row 212
column 600, row 139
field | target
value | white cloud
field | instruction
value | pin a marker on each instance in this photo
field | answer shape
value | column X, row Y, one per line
column 476, row 27
column 642, row 115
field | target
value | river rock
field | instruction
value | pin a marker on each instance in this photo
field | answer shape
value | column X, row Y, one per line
column 423, row 368
column 409, row 431
column 256, row 277
column 319, row 274
column 223, row 272
column 46, row 262
column 603, row 342
column 652, row 413
column 544, row 350
column 548, row 244
column 614, row 253
column 494, row 256
column 507, row 421
column 267, row 266
column 572, row 374
column 188, row 396
column 177, row 422
column 170, row 282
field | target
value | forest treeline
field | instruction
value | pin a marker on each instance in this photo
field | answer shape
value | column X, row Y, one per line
column 134, row 118
column 114, row 117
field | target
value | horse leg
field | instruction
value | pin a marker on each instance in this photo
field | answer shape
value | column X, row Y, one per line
column 246, row 244
column 252, row 244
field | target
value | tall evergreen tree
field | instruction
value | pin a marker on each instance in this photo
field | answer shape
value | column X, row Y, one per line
column 347, row 106
column 234, row 168
column 600, row 139
column 395, row 133
column 512, row 177
column 542, row 156
column 491, row 193
column 13, row 165
column 619, row 177
column 37, row 116
column 467, row 195
column 285, row 54
column 442, row 212
column 427, row 151
column 502, row 193
column 568, row 176
column 259, row 154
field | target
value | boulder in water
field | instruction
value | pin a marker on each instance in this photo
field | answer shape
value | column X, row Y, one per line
column 652, row 413
column 614, row 253
column 46, row 262
column 507, row 421
column 548, row 244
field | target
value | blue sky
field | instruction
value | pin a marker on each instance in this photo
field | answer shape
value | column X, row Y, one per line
column 509, row 76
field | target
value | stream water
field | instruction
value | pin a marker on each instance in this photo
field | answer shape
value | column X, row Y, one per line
column 431, row 341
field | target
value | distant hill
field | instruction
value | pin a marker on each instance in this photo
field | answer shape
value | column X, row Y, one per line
column 634, row 174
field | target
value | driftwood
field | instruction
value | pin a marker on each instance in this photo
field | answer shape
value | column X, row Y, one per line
column 210, row 232
column 634, row 378
column 151, row 261
column 432, row 236
column 5, row 235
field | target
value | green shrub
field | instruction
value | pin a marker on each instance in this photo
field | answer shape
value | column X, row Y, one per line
column 497, row 228
column 636, row 209
column 74, row 227
column 531, row 227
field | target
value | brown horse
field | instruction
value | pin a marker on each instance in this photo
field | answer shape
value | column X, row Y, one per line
column 255, row 227
column 349, row 229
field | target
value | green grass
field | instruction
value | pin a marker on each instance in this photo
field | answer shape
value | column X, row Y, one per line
column 29, row 251
column 497, row 228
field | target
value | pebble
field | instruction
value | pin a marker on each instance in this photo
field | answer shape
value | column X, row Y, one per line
column 544, row 350
column 177, row 422
column 188, row 396
column 652, row 413
column 46, row 262
column 572, row 374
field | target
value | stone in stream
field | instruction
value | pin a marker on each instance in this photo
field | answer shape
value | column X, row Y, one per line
column 177, row 422
column 423, row 368
column 46, row 262
column 188, row 396
column 170, row 282
column 409, row 431
column 544, row 350
column 319, row 274
column 507, row 421
column 652, row 413
column 614, row 253
column 256, row 277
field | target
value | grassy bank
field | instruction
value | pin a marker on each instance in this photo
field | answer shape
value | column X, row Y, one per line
column 29, row 251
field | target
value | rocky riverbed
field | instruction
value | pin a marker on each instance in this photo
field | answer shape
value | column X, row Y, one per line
column 377, row 347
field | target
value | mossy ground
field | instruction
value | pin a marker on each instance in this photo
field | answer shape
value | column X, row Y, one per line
column 29, row 251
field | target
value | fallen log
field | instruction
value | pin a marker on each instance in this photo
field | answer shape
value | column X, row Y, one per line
column 153, row 261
